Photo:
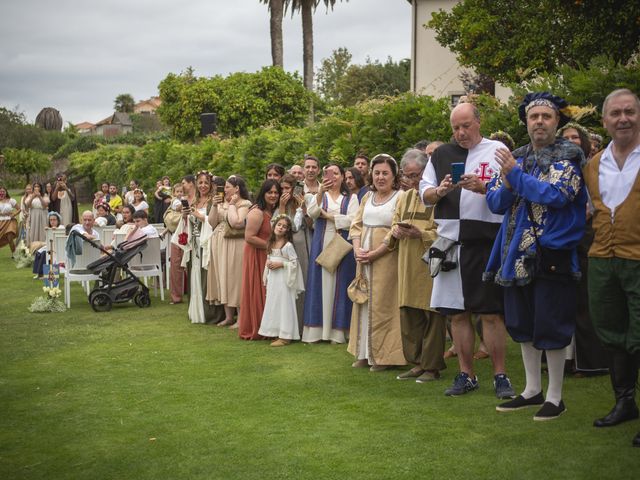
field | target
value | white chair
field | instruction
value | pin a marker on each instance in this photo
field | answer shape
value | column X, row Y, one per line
column 148, row 263
column 59, row 253
column 119, row 238
column 106, row 233
column 78, row 272
column 167, row 258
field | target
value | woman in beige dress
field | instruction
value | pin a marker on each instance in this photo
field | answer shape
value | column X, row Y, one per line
column 38, row 205
column 227, row 246
column 375, row 338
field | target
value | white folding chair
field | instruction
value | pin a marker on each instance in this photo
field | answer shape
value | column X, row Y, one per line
column 106, row 235
column 59, row 254
column 167, row 258
column 149, row 264
column 119, row 238
column 78, row 272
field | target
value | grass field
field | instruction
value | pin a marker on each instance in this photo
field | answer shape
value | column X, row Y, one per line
column 143, row 394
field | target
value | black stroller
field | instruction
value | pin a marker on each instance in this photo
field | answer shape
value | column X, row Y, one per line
column 110, row 288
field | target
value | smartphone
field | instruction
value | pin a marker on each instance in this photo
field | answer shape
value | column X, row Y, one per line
column 185, row 203
column 457, row 170
column 404, row 225
column 298, row 189
column 328, row 174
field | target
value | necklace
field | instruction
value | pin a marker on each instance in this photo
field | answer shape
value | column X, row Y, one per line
column 381, row 201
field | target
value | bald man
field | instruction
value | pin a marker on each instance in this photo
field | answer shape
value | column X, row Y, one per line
column 464, row 219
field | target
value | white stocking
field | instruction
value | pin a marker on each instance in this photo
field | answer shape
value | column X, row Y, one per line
column 555, row 364
column 532, row 359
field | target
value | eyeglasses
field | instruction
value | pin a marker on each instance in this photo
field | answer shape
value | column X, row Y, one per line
column 412, row 176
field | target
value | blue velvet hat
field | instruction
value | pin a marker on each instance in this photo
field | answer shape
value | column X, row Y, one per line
column 547, row 100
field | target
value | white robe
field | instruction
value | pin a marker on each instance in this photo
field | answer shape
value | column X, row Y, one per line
column 280, row 318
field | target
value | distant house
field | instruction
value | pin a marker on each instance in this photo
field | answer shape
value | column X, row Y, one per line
column 117, row 124
column 434, row 69
column 147, row 107
column 85, row 128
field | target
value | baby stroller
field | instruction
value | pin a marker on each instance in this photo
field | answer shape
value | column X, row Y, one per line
column 111, row 288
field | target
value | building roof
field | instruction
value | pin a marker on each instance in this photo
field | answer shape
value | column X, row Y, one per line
column 84, row 125
column 153, row 102
column 118, row 118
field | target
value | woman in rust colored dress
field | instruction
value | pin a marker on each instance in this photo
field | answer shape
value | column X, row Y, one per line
column 256, row 234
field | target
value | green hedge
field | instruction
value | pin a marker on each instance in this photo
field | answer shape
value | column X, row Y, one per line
column 389, row 125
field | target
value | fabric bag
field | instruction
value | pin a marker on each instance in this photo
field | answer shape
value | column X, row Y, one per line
column 441, row 256
column 358, row 289
column 333, row 253
column 230, row 232
column 171, row 219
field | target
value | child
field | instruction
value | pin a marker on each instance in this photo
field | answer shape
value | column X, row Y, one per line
column 283, row 279
column 176, row 196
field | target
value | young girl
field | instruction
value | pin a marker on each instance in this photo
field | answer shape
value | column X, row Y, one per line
column 53, row 222
column 283, row 279
column 139, row 202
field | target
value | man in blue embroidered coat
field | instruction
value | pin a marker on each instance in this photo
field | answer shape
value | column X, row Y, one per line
column 541, row 193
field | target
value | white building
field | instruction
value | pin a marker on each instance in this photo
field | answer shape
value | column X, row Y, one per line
column 434, row 69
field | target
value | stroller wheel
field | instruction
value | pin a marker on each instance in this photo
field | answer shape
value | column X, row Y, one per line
column 142, row 299
column 100, row 302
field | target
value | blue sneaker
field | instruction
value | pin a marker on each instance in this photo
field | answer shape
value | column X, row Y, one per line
column 503, row 387
column 462, row 384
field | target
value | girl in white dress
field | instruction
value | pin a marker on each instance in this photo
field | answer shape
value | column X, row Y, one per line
column 283, row 279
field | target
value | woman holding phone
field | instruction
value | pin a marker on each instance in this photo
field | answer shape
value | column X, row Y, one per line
column 227, row 248
column 327, row 308
column 183, row 204
column 200, row 233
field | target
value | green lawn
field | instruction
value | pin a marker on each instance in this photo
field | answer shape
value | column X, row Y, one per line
column 143, row 394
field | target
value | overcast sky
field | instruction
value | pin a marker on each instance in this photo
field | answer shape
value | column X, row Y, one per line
column 78, row 56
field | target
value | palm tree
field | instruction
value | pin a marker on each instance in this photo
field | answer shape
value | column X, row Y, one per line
column 306, row 8
column 124, row 103
column 276, row 12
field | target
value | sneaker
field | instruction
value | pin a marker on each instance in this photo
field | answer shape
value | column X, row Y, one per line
column 410, row 374
column 502, row 385
column 549, row 411
column 428, row 376
column 520, row 402
column 462, row 384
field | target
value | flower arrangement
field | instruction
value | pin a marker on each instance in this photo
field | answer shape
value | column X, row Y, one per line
column 23, row 256
column 49, row 302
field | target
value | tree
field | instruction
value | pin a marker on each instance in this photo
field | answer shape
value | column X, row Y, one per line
column 124, row 103
column 373, row 79
column 514, row 40
column 16, row 133
column 25, row 161
column 331, row 71
column 306, row 8
column 242, row 101
column 276, row 12
column 49, row 119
